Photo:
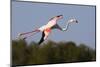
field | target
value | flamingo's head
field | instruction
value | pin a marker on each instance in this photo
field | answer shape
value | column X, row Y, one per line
column 73, row 20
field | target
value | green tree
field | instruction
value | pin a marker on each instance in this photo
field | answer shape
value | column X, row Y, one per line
column 50, row 52
column 18, row 52
column 85, row 53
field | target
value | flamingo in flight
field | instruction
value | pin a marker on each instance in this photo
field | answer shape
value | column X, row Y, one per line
column 52, row 24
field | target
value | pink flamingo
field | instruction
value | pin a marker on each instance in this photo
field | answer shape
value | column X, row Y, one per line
column 52, row 24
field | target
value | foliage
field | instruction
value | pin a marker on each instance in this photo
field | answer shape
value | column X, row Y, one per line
column 50, row 53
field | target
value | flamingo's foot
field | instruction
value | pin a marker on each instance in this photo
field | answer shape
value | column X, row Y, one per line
column 24, row 38
column 20, row 37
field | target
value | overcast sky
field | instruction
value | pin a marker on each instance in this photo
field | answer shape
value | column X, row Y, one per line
column 27, row 16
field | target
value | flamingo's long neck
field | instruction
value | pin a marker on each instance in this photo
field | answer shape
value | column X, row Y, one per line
column 66, row 27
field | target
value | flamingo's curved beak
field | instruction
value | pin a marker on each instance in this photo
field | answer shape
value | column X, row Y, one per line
column 76, row 21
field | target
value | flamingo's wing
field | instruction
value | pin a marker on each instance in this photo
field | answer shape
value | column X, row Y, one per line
column 56, row 27
column 51, row 24
column 45, row 35
column 42, row 38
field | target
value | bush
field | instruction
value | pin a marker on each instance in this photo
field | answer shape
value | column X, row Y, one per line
column 50, row 52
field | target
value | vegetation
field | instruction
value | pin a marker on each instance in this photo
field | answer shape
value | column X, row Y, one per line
column 50, row 53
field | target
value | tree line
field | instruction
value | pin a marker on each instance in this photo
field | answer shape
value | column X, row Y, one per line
column 50, row 53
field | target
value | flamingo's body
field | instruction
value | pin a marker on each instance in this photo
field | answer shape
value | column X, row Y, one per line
column 52, row 24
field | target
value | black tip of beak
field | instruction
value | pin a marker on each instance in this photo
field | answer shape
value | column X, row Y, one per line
column 76, row 21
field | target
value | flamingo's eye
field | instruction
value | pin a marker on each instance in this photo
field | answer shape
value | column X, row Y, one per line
column 73, row 20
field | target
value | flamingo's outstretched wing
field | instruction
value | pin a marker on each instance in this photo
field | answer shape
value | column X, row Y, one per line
column 42, row 38
column 51, row 24
column 45, row 35
column 56, row 27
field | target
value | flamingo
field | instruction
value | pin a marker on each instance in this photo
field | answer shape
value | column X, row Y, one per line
column 52, row 24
